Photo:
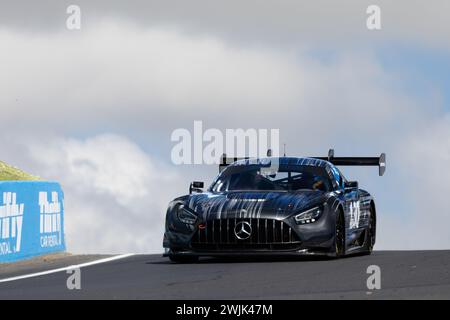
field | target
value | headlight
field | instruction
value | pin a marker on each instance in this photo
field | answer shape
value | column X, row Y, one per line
column 308, row 216
column 185, row 215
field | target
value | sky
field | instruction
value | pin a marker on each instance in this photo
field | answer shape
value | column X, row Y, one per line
column 95, row 108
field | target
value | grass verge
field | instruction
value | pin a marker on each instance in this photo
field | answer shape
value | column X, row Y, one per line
column 10, row 173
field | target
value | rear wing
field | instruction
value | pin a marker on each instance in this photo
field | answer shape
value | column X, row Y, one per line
column 380, row 161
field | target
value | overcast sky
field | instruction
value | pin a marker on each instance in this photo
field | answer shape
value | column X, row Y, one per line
column 94, row 108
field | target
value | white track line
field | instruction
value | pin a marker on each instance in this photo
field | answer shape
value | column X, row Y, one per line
column 87, row 264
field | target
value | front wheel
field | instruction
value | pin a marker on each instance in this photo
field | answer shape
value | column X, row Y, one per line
column 340, row 235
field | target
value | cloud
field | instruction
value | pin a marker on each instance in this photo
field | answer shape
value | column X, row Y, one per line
column 112, row 72
column 426, row 170
column 275, row 23
column 115, row 194
column 119, row 75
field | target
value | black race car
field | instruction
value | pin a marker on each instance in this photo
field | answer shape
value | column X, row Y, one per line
column 274, row 205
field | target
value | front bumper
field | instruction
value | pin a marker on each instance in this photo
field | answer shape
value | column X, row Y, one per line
column 269, row 237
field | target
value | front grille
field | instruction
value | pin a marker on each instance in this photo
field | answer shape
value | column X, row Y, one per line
column 267, row 234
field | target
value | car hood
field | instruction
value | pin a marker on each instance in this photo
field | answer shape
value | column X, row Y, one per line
column 274, row 205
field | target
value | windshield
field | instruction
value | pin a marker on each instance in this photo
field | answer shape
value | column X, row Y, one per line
column 259, row 178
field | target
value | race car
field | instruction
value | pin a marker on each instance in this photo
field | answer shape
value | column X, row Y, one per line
column 274, row 206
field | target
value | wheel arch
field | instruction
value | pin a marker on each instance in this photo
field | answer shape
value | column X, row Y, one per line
column 373, row 209
column 339, row 209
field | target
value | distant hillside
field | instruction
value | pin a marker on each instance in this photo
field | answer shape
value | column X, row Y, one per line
column 8, row 172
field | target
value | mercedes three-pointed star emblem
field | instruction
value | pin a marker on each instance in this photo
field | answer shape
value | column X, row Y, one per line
column 243, row 230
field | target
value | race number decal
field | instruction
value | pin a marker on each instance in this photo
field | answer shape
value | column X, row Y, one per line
column 355, row 214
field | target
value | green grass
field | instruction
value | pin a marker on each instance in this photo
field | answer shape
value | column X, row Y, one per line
column 8, row 173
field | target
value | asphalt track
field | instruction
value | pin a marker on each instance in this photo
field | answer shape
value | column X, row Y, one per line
column 404, row 275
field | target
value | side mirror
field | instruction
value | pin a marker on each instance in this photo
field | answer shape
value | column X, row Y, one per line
column 196, row 186
column 350, row 185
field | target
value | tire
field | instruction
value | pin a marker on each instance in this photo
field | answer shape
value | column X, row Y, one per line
column 371, row 232
column 339, row 239
column 183, row 259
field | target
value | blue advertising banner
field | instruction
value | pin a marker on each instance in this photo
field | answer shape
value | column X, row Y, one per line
column 31, row 219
